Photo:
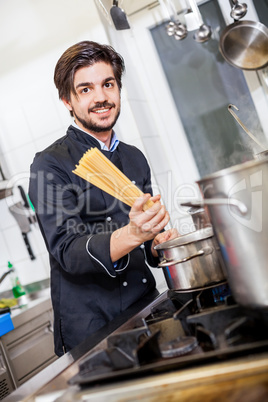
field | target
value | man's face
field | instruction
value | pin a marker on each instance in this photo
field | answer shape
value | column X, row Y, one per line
column 96, row 105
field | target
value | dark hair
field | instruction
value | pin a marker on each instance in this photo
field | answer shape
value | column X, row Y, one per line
column 80, row 55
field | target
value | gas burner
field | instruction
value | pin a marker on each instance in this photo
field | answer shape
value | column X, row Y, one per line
column 182, row 330
column 204, row 298
column 211, row 286
column 179, row 346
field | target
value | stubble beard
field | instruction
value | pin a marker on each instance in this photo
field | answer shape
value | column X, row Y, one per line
column 94, row 127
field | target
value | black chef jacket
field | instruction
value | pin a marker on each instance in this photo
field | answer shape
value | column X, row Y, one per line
column 76, row 220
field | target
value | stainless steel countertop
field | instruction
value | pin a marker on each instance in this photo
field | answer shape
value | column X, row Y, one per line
column 33, row 308
column 243, row 379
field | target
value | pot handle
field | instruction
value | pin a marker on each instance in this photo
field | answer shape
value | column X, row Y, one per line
column 166, row 263
column 218, row 201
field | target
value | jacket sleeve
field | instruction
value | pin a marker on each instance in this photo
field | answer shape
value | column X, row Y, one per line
column 147, row 188
column 68, row 239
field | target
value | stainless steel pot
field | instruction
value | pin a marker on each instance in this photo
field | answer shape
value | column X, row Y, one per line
column 261, row 155
column 237, row 199
column 191, row 261
column 200, row 217
column 244, row 44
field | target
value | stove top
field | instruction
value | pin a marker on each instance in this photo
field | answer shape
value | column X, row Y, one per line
column 186, row 329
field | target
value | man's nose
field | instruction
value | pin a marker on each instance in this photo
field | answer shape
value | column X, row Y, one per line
column 100, row 95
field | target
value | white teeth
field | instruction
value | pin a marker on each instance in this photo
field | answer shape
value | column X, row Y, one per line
column 101, row 111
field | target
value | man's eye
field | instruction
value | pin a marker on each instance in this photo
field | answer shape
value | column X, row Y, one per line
column 85, row 90
column 108, row 85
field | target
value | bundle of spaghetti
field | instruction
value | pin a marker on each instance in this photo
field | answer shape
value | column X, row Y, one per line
column 95, row 168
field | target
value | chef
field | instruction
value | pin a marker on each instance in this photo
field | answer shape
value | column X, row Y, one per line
column 100, row 249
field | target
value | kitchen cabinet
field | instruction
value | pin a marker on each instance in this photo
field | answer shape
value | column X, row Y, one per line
column 29, row 348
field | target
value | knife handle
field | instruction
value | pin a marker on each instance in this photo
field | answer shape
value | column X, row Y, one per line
column 24, row 197
column 29, row 248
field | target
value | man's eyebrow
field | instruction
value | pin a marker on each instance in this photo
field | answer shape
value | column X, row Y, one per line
column 109, row 79
column 88, row 84
column 83, row 84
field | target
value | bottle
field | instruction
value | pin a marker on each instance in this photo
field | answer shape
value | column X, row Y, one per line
column 17, row 289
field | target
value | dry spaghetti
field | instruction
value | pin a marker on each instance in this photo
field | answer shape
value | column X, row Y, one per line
column 102, row 173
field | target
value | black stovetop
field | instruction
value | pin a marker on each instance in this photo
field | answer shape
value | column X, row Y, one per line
column 187, row 329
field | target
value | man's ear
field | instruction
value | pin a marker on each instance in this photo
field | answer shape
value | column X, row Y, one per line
column 67, row 104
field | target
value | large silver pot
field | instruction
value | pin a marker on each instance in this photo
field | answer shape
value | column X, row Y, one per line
column 199, row 217
column 191, row 261
column 237, row 199
column 261, row 155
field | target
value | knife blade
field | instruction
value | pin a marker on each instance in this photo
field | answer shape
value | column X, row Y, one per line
column 18, row 212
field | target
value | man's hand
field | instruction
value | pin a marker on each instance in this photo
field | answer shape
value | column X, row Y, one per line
column 145, row 225
column 163, row 237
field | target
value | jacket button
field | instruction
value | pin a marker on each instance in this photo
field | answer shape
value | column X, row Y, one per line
column 144, row 280
column 142, row 246
column 125, row 283
column 108, row 219
column 133, row 181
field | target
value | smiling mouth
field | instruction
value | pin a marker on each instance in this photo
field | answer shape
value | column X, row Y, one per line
column 100, row 111
column 101, row 108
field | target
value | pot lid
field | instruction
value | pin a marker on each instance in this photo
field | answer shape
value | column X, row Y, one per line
column 191, row 237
